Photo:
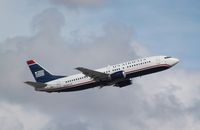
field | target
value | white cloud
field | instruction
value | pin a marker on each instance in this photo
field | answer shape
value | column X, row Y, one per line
column 15, row 116
column 140, row 50
column 184, row 84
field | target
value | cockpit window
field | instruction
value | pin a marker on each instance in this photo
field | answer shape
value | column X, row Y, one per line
column 167, row 57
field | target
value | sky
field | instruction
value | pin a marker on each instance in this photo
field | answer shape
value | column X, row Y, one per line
column 64, row 34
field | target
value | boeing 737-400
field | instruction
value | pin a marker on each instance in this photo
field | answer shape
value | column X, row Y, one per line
column 118, row 75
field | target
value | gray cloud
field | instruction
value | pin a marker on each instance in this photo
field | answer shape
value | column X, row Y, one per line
column 79, row 3
column 15, row 116
column 49, row 22
column 158, row 101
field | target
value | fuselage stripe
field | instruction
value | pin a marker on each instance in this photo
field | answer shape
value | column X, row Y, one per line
column 92, row 81
column 146, row 68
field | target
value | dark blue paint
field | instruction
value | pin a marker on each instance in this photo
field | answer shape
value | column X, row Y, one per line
column 47, row 76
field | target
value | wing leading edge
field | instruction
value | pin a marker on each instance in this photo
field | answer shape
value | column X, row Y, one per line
column 95, row 75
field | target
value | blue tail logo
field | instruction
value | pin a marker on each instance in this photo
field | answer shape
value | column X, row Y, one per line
column 40, row 74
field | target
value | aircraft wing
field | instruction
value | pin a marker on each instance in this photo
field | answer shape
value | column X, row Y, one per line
column 96, row 75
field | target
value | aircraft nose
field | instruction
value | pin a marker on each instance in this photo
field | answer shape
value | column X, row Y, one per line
column 174, row 61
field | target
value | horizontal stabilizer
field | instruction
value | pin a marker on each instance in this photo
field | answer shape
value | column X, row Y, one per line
column 36, row 84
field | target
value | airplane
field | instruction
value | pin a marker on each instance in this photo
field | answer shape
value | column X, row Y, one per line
column 118, row 75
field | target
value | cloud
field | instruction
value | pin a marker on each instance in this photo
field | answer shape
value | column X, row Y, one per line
column 15, row 116
column 167, row 100
column 79, row 3
column 49, row 22
column 140, row 50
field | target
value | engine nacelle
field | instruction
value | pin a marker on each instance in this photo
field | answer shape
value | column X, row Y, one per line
column 123, row 83
column 118, row 75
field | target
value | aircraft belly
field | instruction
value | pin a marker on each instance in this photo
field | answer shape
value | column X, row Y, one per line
column 74, row 87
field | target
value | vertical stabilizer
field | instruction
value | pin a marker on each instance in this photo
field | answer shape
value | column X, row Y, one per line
column 40, row 74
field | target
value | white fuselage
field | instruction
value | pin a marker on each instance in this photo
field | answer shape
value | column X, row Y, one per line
column 132, row 69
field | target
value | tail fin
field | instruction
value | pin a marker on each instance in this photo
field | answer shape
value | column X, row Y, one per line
column 40, row 74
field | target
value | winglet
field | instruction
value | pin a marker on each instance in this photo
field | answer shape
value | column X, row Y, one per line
column 79, row 68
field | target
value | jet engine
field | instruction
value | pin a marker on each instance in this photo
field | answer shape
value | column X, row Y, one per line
column 123, row 83
column 118, row 75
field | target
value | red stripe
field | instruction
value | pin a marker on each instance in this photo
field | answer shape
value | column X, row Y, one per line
column 138, row 70
column 146, row 68
column 30, row 62
column 88, row 82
